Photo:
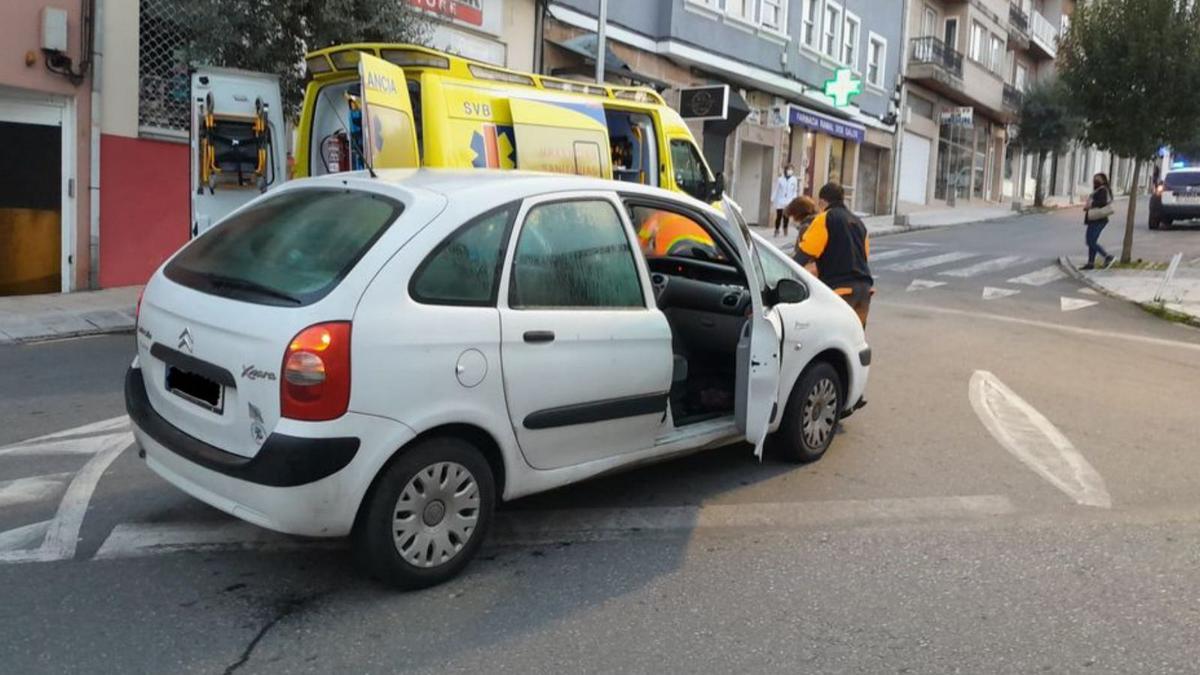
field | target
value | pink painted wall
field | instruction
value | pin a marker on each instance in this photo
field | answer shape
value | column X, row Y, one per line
column 20, row 33
column 143, row 206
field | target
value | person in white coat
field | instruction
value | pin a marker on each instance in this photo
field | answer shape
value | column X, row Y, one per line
column 786, row 188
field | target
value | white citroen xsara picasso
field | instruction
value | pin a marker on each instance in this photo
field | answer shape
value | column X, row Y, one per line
column 388, row 357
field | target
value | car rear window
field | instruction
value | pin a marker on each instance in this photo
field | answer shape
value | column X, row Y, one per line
column 288, row 250
column 1181, row 180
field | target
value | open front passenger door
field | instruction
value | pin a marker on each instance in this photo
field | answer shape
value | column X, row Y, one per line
column 758, row 352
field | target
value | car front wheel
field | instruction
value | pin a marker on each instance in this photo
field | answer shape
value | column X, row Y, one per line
column 427, row 515
column 811, row 417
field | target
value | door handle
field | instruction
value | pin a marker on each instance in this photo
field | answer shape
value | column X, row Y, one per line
column 535, row 336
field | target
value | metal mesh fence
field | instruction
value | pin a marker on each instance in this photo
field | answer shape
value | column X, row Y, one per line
column 163, row 71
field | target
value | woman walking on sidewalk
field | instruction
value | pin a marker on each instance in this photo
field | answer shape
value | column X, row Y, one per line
column 1095, row 217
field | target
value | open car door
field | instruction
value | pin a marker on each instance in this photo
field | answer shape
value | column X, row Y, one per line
column 389, row 134
column 758, row 357
column 561, row 136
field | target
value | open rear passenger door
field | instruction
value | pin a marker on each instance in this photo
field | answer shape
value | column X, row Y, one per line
column 389, row 134
column 757, row 386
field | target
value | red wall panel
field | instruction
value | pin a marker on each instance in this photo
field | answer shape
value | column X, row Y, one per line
column 144, row 205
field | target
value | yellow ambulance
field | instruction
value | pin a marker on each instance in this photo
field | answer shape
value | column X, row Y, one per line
column 399, row 105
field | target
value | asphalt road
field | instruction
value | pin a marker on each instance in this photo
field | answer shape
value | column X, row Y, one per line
column 949, row 529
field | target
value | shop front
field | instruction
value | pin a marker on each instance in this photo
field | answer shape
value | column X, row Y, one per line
column 824, row 149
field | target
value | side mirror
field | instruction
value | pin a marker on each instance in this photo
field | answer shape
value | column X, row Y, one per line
column 716, row 188
column 788, row 291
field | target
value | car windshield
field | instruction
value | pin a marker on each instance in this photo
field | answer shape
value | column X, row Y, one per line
column 1183, row 179
column 288, row 250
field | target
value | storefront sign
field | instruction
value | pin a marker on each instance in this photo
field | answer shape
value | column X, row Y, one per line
column 827, row 125
column 959, row 117
column 843, row 87
column 704, row 103
column 467, row 11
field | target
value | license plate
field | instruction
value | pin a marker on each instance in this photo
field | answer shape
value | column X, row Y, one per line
column 1188, row 199
column 196, row 389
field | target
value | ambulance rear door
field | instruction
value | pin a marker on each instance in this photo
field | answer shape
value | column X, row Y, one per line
column 561, row 136
column 389, row 134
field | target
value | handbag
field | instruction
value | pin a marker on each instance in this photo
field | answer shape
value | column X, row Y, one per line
column 1099, row 212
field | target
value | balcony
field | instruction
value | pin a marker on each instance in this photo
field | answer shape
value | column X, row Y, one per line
column 1044, row 34
column 1018, row 27
column 934, row 58
column 1012, row 98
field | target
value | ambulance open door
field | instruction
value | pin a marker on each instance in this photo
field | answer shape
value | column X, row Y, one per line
column 389, row 135
column 561, row 136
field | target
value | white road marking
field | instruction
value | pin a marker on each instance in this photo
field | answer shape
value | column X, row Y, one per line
column 1072, row 304
column 1034, row 440
column 1088, row 291
column 521, row 527
column 994, row 265
column 31, row 489
column 990, row 293
column 931, row 261
column 889, row 254
column 85, row 440
column 24, row 537
column 1040, row 277
column 62, row 534
column 1073, row 330
column 923, row 284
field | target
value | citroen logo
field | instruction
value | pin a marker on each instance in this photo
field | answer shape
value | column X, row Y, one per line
column 185, row 341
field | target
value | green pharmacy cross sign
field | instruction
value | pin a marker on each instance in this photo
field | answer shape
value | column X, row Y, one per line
column 842, row 87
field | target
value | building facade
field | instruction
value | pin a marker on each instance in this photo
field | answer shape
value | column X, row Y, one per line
column 776, row 56
column 47, row 163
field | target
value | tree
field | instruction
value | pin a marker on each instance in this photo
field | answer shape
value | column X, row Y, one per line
column 1132, row 70
column 1045, row 125
column 272, row 36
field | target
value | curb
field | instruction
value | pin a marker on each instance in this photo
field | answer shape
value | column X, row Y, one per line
column 48, row 337
column 1149, row 307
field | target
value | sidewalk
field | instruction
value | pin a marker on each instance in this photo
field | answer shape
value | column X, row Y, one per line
column 1181, row 296
column 880, row 226
column 25, row 318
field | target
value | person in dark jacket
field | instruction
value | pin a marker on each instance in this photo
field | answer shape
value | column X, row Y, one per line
column 1101, row 197
column 835, row 247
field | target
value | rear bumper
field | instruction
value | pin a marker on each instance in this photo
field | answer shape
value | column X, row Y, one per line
column 1178, row 211
column 314, row 491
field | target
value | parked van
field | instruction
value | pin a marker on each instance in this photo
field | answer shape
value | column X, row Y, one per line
column 457, row 113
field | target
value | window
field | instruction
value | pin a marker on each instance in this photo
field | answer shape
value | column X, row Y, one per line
column 978, row 42
column 1020, row 77
column 667, row 233
column 574, row 254
column 773, row 16
column 850, row 41
column 288, row 250
column 929, row 22
column 876, row 60
column 920, row 106
column 690, row 173
column 950, row 33
column 465, row 269
column 808, row 23
column 833, row 24
column 997, row 60
column 773, row 267
column 740, row 9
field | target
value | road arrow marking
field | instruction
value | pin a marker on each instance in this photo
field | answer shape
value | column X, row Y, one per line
column 922, row 284
column 1040, row 277
column 1072, row 304
column 1034, row 440
column 32, row 489
column 990, row 293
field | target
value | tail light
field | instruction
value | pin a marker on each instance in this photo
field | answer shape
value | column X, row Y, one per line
column 316, row 373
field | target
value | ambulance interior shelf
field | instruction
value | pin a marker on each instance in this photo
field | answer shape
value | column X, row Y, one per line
column 236, row 150
column 338, row 120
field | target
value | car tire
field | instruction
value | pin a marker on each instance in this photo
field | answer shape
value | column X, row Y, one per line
column 811, row 418
column 427, row 514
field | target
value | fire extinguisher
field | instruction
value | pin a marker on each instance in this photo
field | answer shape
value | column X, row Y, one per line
column 335, row 150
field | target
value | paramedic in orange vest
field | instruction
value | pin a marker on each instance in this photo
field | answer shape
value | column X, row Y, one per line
column 835, row 247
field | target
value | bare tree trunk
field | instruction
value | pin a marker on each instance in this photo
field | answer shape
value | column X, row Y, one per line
column 1039, row 198
column 1127, row 245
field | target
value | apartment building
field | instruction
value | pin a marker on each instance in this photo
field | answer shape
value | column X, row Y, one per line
column 776, row 56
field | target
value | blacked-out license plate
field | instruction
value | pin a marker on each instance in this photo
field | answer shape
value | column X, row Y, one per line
column 196, row 389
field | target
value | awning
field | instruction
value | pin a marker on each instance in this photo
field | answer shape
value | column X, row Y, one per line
column 585, row 46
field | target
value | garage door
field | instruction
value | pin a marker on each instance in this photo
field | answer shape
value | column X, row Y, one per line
column 914, row 168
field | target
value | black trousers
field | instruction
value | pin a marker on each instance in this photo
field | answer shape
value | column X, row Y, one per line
column 780, row 219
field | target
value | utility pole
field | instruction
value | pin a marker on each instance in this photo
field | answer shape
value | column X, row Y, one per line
column 901, row 105
column 602, row 20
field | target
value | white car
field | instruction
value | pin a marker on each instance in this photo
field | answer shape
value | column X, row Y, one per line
column 388, row 357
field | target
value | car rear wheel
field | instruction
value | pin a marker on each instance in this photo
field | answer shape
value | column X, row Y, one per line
column 427, row 515
column 811, row 417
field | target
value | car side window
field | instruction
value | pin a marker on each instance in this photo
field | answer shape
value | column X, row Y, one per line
column 663, row 233
column 574, row 254
column 464, row 269
column 690, row 174
column 774, row 268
